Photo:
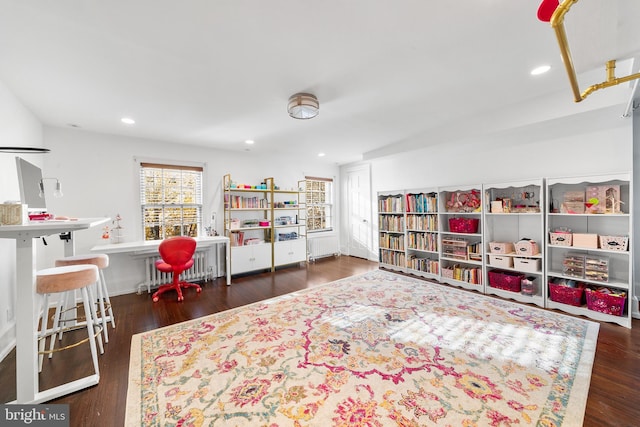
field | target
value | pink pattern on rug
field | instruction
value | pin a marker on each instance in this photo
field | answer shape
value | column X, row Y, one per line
column 378, row 349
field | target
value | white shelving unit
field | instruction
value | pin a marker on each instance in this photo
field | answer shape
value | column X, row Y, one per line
column 615, row 220
column 515, row 211
column 461, row 263
column 289, row 226
column 391, row 231
column 244, row 208
column 423, row 234
column 530, row 209
column 261, row 222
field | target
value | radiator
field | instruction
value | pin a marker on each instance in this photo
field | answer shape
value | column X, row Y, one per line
column 198, row 272
column 321, row 247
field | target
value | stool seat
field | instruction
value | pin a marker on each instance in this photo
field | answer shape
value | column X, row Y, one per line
column 68, row 278
column 99, row 260
column 65, row 280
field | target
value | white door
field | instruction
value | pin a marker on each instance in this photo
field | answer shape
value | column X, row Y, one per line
column 358, row 202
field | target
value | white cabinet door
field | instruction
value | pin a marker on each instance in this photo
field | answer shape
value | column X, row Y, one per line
column 290, row 251
column 250, row 257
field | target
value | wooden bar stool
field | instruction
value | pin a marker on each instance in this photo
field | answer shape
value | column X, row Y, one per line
column 101, row 261
column 60, row 280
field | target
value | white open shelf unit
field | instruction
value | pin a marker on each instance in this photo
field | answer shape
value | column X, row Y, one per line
column 411, row 239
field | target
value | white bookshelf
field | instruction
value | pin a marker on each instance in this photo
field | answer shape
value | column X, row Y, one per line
column 423, row 234
column 615, row 220
column 462, row 203
column 515, row 211
column 535, row 208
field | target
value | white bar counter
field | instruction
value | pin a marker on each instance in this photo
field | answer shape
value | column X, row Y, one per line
column 28, row 390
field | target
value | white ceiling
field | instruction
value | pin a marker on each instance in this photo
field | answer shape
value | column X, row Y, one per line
column 389, row 74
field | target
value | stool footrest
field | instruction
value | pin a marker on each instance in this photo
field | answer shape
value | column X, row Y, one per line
column 53, row 333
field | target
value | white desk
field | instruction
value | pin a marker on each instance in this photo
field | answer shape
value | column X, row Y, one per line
column 151, row 247
column 26, row 306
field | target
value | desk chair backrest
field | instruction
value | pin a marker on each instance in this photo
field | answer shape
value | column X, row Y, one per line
column 177, row 251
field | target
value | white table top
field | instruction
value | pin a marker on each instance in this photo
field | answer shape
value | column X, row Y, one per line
column 141, row 247
column 47, row 227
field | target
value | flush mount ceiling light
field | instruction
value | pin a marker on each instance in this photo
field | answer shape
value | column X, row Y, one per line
column 303, row 106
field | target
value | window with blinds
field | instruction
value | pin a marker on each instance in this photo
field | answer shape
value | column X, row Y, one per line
column 319, row 198
column 171, row 200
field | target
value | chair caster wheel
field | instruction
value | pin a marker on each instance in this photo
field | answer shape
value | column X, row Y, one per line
column 156, row 299
column 198, row 290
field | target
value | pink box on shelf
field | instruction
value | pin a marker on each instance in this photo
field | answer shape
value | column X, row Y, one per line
column 605, row 302
column 614, row 243
column 463, row 225
column 526, row 247
column 500, row 261
column 500, row 247
column 565, row 294
column 530, row 265
column 505, row 280
column 560, row 239
column 582, row 240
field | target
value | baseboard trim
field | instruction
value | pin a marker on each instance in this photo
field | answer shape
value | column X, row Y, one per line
column 7, row 341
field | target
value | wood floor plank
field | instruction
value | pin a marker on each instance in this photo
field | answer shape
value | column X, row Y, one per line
column 613, row 398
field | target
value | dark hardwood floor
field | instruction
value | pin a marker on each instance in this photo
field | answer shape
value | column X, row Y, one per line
column 613, row 399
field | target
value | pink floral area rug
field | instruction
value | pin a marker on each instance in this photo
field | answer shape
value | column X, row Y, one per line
column 377, row 349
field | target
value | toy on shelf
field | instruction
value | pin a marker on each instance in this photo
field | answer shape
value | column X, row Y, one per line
column 464, row 201
column 116, row 232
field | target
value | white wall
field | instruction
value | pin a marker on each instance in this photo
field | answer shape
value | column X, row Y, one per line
column 18, row 127
column 483, row 162
column 99, row 176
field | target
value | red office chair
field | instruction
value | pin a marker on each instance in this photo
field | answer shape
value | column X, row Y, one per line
column 177, row 256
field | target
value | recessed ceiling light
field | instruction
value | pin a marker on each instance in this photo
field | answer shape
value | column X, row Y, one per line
column 540, row 70
column 320, row 154
column 127, row 121
column 249, row 141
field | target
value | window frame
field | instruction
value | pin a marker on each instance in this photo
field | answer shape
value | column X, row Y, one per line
column 327, row 205
column 197, row 192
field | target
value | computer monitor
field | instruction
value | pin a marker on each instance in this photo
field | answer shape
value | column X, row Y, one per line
column 29, row 178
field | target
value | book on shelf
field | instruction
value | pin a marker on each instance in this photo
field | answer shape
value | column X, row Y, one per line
column 422, row 203
column 422, row 222
column 243, row 202
column 391, row 223
column 390, row 203
column 237, row 239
